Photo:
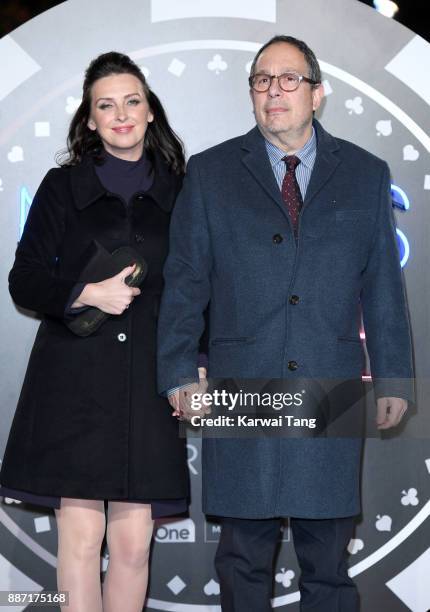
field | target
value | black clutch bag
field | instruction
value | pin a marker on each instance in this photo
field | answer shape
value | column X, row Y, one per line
column 103, row 265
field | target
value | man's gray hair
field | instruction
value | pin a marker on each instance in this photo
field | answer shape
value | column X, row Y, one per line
column 310, row 57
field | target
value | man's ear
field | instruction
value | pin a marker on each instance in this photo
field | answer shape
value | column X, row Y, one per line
column 317, row 96
column 251, row 95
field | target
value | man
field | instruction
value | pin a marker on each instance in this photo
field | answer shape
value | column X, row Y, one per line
column 286, row 231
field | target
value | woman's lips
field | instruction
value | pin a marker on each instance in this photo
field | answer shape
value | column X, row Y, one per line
column 124, row 129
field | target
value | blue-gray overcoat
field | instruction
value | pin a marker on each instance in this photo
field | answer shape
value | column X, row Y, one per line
column 232, row 245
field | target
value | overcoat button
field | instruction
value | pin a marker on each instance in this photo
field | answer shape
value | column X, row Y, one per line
column 140, row 197
column 293, row 365
column 122, row 337
column 139, row 237
column 277, row 238
column 294, row 299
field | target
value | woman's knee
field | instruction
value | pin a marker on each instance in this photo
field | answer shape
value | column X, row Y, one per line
column 128, row 546
column 81, row 530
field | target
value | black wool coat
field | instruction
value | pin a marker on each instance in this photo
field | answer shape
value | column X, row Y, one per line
column 89, row 422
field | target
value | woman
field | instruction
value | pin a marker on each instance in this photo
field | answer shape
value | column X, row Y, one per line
column 90, row 426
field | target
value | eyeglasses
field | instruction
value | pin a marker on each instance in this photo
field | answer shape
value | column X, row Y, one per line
column 289, row 81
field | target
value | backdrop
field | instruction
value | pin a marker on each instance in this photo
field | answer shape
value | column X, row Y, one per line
column 196, row 55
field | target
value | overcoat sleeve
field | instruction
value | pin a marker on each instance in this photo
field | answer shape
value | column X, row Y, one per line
column 34, row 282
column 187, row 286
column 385, row 311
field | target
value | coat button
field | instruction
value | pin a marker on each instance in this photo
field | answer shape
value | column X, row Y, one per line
column 277, row 238
column 140, row 197
column 122, row 337
column 294, row 299
column 139, row 237
column 293, row 365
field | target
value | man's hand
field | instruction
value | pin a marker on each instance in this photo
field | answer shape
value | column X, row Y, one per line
column 181, row 399
column 389, row 411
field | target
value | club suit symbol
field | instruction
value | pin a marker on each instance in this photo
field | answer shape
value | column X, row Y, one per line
column 217, row 64
column 409, row 497
column 285, row 577
column 355, row 106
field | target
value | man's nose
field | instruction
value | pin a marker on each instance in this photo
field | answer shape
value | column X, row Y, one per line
column 274, row 89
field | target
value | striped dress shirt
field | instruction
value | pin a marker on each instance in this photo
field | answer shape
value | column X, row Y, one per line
column 306, row 154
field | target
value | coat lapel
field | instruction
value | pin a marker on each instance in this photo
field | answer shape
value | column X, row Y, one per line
column 86, row 186
column 256, row 160
column 326, row 162
column 166, row 184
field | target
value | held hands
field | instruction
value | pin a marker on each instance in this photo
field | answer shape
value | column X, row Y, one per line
column 112, row 295
column 181, row 399
column 389, row 411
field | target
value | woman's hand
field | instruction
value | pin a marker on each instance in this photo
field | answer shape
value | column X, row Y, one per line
column 180, row 400
column 112, row 295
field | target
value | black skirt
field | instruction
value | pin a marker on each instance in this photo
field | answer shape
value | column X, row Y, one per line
column 159, row 507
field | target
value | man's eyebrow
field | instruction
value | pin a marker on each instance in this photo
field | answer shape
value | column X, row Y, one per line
column 283, row 71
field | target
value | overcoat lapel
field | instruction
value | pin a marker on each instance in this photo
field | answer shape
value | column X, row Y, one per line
column 326, row 162
column 256, row 160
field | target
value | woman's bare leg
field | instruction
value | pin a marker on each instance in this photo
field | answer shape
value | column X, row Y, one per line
column 129, row 533
column 81, row 526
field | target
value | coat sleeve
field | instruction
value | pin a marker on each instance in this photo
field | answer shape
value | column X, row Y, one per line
column 34, row 282
column 187, row 286
column 384, row 305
